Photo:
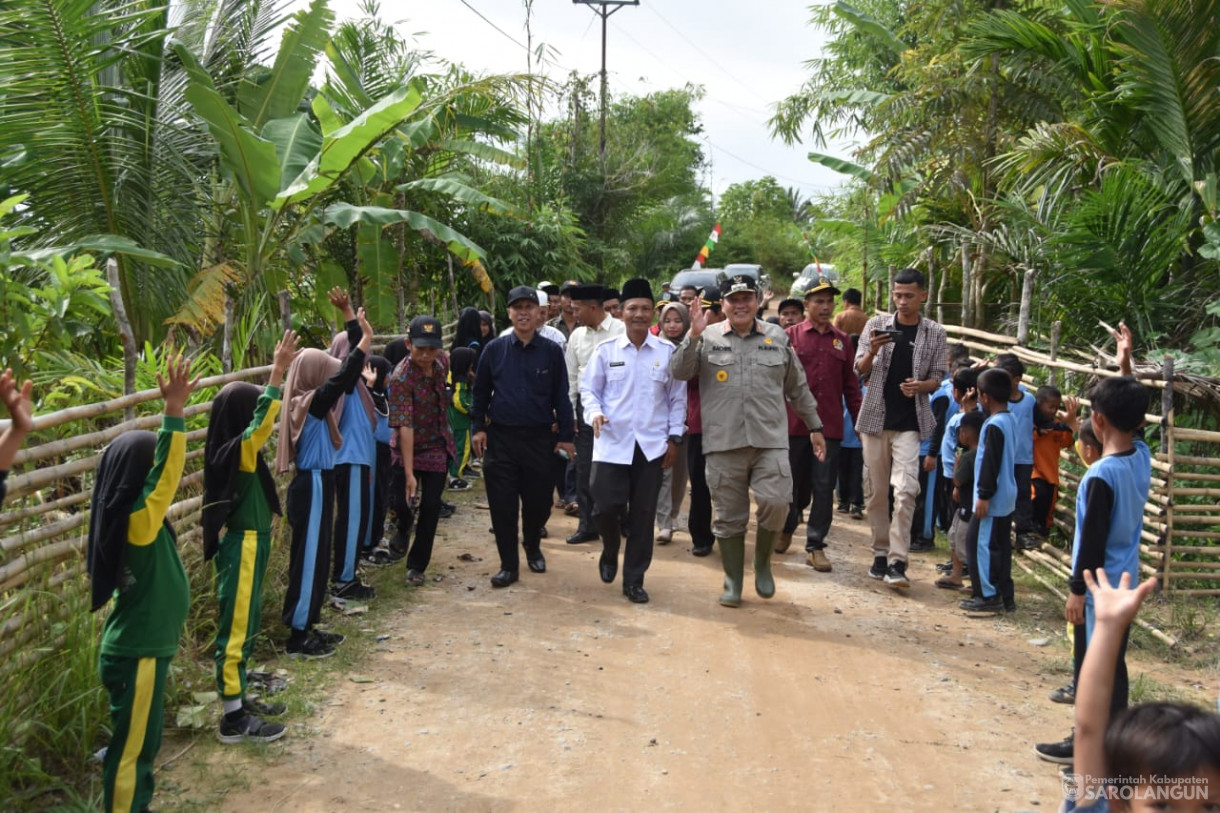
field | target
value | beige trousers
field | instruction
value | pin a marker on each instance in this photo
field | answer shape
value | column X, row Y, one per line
column 891, row 459
column 731, row 475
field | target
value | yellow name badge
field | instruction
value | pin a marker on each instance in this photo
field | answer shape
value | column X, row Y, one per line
column 722, row 376
column 767, row 340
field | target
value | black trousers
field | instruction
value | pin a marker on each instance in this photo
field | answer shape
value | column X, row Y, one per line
column 921, row 515
column 353, row 518
column 1023, row 516
column 1080, row 645
column 516, row 472
column 989, row 541
column 632, row 489
column 310, row 510
column 404, row 513
column 381, row 494
column 1045, row 495
column 699, row 520
column 851, row 476
column 813, row 484
column 429, row 488
column 944, row 498
column 584, row 463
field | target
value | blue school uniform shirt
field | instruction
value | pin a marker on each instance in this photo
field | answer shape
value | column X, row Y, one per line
column 1023, row 413
column 359, row 446
column 948, row 445
column 994, row 478
column 1110, row 516
column 850, row 439
column 382, row 433
column 315, row 452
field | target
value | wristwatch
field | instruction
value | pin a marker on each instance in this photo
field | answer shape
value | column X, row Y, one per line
column 676, row 439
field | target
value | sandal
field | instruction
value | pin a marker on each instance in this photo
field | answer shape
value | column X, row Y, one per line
column 946, row 583
column 572, row 510
column 415, row 578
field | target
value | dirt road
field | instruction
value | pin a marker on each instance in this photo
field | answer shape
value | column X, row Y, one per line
column 556, row 693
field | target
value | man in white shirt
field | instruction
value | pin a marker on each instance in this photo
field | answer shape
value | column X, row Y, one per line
column 637, row 411
column 595, row 326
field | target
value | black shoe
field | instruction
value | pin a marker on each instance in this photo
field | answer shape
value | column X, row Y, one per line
column 608, row 568
column 945, row 567
column 244, row 727
column 842, row 508
column 543, row 533
column 582, row 536
column 896, row 575
column 251, row 706
column 921, row 545
column 329, row 638
column 1010, row 606
column 635, row 593
column 1064, row 694
column 537, row 564
column 310, row 646
column 877, row 571
column 504, row 578
column 979, row 604
column 1028, row 542
column 701, row 550
column 1058, row 752
column 857, row 512
column 448, row 509
column 355, row 589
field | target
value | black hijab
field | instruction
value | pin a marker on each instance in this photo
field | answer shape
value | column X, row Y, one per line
column 469, row 331
column 382, row 366
column 461, row 362
column 232, row 411
column 396, row 351
column 117, row 484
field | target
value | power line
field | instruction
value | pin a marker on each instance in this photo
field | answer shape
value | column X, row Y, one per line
column 510, row 37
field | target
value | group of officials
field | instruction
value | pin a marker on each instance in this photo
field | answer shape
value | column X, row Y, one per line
column 616, row 400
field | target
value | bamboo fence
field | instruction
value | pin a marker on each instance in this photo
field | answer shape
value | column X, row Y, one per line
column 1180, row 541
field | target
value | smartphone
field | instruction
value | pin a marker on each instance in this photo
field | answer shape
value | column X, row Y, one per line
column 894, row 335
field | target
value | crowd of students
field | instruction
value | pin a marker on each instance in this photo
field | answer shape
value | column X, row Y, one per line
column 370, row 439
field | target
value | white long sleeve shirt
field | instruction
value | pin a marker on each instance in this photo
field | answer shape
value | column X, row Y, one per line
column 581, row 344
column 633, row 388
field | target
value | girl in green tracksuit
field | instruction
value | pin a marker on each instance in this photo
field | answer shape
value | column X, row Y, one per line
column 133, row 557
column 240, row 496
column 461, row 378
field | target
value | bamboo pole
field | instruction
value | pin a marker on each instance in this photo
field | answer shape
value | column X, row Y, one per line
column 60, row 417
column 15, row 516
column 1027, row 295
column 285, row 310
column 1056, row 327
column 1183, row 433
column 59, row 448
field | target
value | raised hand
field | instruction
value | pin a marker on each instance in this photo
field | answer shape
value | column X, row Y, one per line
column 698, row 318
column 178, row 386
column 1116, row 605
column 285, row 352
column 18, row 401
column 366, row 339
column 1125, row 343
column 1071, row 412
column 339, row 298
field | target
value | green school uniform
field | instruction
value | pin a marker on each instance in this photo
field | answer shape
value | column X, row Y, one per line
column 459, row 422
column 241, row 561
column 141, row 634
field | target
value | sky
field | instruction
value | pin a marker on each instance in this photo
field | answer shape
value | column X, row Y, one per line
column 747, row 55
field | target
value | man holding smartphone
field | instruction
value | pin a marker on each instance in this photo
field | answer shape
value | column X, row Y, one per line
column 902, row 360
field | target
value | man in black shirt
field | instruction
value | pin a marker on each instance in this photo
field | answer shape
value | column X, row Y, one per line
column 520, row 390
column 902, row 360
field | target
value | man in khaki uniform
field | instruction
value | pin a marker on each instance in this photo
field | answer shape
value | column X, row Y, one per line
column 746, row 371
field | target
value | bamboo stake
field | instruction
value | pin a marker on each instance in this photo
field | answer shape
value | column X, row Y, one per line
column 1027, row 295
column 59, row 448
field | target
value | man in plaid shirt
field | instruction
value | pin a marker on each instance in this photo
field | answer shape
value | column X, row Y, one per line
column 902, row 360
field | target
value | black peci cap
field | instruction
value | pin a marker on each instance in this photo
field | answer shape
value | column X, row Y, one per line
column 425, row 331
column 737, row 284
column 638, row 288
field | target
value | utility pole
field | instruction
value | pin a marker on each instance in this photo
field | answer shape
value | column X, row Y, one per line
column 603, row 9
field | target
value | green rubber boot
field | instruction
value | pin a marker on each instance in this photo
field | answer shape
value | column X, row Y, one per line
column 764, row 546
column 733, row 557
